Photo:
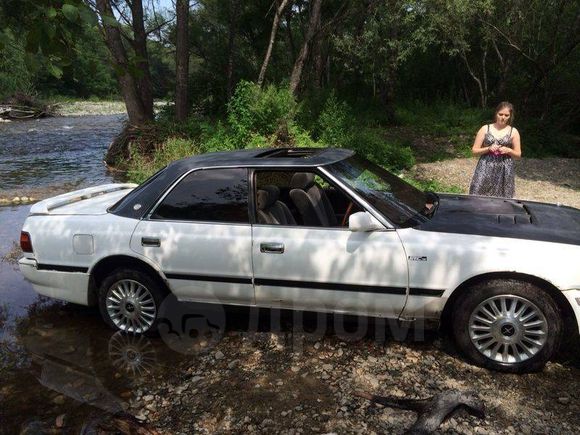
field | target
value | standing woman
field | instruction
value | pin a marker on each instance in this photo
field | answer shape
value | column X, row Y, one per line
column 497, row 144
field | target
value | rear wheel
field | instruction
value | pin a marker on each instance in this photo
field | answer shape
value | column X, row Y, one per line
column 129, row 301
column 507, row 325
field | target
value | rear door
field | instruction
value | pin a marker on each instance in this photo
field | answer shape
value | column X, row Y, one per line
column 201, row 238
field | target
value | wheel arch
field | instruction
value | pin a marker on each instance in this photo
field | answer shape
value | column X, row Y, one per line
column 568, row 317
column 108, row 264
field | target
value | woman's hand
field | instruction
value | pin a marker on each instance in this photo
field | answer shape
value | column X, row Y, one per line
column 505, row 150
column 494, row 148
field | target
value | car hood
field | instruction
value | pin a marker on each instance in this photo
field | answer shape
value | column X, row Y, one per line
column 501, row 217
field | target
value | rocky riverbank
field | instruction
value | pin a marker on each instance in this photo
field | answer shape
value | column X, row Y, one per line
column 82, row 108
column 279, row 382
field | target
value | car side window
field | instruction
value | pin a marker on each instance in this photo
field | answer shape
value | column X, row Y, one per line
column 300, row 198
column 210, row 195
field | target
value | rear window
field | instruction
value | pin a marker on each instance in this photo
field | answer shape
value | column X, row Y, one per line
column 209, row 195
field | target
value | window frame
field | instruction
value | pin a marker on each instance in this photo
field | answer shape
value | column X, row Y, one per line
column 149, row 214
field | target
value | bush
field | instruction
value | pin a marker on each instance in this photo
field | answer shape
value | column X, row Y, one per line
column 15, row 77
column 442, row 118
column 142, row 167
column 336, row 123
column 253, row 111
column 337, row 126
column 393, row 155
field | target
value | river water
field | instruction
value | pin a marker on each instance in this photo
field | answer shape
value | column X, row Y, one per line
column 59, row 365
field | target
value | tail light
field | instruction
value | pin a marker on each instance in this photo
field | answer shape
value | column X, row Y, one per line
column 25, row 242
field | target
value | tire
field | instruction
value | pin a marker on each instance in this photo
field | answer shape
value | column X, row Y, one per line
column 129, row 301
column 507, row 325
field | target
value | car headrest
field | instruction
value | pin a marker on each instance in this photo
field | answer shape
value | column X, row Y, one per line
column 273, row 194
column 262, row 199
column 302, row 180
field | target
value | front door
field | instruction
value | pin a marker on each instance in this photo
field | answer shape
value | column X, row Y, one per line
column 303, row 265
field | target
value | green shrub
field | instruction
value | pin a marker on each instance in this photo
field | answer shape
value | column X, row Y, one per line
column 442, row 118
column 393, row 155
column 335, row 124
column 264, row 112
column 15, row 77
column 142, row 167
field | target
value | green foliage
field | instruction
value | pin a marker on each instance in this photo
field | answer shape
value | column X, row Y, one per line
column 14, row 74
column 542, row 139
column 254, row 111
column 337, row 126
column 335, row 123
column 142, row 167
column 392, row 154
column 442, row 118
column 432, row 185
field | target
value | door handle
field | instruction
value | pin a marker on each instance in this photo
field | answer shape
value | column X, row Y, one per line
column 272, row 248
column 150, row 241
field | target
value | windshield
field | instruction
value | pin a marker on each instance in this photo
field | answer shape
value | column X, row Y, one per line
column 398, row 201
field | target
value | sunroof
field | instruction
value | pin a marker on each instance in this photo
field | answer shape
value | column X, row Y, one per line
column 289, row 153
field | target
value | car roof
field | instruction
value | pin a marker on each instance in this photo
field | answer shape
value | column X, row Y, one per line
column 139, row 201
column 304, row 157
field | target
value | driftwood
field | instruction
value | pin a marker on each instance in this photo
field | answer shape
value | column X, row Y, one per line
column 21, row 112
column 434, row 410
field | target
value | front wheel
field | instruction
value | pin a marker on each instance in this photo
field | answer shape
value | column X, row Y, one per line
column 129, row 301
column 507, row 325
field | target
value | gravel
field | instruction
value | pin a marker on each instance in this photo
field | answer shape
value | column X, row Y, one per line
column 307, row 385
column 554, row 180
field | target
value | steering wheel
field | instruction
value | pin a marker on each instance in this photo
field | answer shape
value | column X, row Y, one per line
column 347, row 214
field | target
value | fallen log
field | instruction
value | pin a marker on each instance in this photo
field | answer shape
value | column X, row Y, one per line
column 432, row 411
column 21, row 112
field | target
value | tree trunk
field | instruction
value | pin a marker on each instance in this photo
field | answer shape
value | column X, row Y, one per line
column 136, row 111
column 144, row 81
column 317, row 59
column 313, row 24
column 275, row 24
column 391, row 76
column 233, row 13
column 291, row 44
column 181, row 60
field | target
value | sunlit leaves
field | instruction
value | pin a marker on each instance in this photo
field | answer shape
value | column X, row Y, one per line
column 70, row 12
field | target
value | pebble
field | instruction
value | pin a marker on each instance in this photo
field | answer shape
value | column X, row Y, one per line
column 317, row 345
column 564, row 400
column 295, row 369
column 148, row 398
column 59, row 400
column 219, row 355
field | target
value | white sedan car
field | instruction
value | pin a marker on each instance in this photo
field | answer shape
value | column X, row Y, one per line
column 317, row 230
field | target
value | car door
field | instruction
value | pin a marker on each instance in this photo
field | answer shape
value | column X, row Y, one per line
column 201, row 238
column 328, row 268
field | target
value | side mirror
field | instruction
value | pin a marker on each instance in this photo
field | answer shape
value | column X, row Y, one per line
column 364, row 222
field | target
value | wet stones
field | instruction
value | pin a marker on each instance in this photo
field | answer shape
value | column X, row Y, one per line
column 17, row 200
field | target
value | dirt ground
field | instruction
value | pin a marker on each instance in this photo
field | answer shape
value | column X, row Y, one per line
column 554, row 180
